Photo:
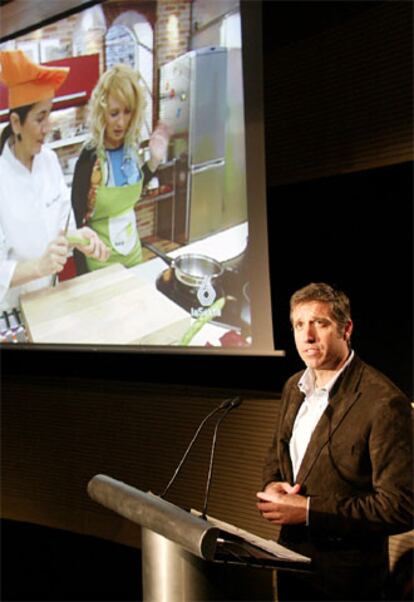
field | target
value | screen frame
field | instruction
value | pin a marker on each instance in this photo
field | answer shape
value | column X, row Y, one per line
column 261, row 305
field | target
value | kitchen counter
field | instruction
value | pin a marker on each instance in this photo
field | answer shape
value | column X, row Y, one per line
column 116, row 305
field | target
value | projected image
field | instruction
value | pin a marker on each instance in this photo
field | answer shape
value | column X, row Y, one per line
column 123, row 205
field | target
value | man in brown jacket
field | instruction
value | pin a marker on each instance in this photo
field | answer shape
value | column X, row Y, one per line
column 338, row 477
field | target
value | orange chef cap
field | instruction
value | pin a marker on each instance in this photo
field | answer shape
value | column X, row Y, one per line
column 27, row 82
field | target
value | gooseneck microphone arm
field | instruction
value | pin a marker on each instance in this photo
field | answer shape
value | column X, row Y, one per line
column 234, row 403
column 224, row 406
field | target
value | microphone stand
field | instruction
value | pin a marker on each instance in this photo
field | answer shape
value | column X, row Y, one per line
column 234, row 403
column 227, row 405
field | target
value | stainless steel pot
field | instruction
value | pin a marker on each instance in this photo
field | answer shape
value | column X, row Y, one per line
column 191, row 269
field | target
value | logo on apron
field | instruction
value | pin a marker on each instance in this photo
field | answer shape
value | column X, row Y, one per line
column 123, row 232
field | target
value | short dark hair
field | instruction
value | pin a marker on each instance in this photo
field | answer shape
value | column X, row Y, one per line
column 22, row 112
column 320, row 291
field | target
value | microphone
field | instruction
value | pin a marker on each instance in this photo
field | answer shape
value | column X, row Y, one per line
column 226, row 406
column 232, row 404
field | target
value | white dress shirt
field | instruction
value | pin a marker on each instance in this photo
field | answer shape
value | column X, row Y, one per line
column 34, row 206
column 315, row 402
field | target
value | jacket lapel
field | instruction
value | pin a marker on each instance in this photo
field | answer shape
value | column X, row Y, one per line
column 295, row 400
column 343, row 397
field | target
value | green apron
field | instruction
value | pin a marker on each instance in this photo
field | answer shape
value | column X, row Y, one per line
column 114, row 221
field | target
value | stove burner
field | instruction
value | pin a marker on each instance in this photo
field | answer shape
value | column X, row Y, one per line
column 229, row 285
column 11, row 327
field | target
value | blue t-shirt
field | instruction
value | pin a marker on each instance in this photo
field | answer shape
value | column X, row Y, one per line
column 124, row 169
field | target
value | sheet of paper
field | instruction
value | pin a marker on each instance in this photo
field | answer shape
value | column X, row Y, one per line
column 268, row 545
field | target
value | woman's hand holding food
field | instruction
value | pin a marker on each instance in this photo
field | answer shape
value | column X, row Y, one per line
column 88, row 242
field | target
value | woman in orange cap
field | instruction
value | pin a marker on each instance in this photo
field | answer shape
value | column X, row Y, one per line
column 35, row 208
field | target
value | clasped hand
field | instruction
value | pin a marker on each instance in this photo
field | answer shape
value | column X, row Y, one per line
column 281, row 504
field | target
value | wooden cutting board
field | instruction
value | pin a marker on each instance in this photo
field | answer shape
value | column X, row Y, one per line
column 111, row 306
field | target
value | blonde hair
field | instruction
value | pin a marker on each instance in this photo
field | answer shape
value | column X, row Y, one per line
column 122, row 82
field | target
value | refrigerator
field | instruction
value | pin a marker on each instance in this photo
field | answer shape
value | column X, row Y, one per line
column 194, row 90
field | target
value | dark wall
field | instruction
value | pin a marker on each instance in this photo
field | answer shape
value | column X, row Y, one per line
column 352, row 229
column 355, row 232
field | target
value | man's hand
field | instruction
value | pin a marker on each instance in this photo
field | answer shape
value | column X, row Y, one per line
column 281, row 505
column 282, row 487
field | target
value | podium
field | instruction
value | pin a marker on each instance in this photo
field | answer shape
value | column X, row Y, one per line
column 180, row 550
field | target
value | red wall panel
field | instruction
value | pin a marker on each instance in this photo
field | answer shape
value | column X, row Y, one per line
column 82, row 78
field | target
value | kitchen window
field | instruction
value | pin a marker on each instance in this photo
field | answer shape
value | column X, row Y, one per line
column 130, row 40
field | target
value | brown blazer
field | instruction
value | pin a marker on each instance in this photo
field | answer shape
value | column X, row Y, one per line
column 357, row 470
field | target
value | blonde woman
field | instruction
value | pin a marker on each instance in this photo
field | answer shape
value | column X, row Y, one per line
column 109, row 178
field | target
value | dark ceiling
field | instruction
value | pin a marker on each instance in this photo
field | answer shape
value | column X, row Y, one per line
column 288, row 21
column 23, row 15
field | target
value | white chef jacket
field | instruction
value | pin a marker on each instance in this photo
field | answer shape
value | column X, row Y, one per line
column 34, row 207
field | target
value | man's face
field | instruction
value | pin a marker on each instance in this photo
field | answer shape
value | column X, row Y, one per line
column 318, row 341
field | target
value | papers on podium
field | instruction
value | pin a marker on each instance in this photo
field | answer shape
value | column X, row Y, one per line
column 238, row 545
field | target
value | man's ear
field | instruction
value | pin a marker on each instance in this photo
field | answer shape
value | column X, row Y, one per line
column 349, row 326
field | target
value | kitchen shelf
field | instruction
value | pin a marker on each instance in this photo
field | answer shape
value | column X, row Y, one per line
column 167, row 164
column 67, row 141
column 155, row 199
column 163, row 202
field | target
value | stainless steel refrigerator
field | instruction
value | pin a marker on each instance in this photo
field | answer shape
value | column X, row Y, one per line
column 194, row 101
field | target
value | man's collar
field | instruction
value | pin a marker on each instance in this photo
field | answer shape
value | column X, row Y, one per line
column 307, row 382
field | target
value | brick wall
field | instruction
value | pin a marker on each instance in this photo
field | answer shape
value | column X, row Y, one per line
column 62, row 30
column 172, row 30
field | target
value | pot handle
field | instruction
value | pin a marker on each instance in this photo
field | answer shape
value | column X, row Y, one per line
column 163, row 256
